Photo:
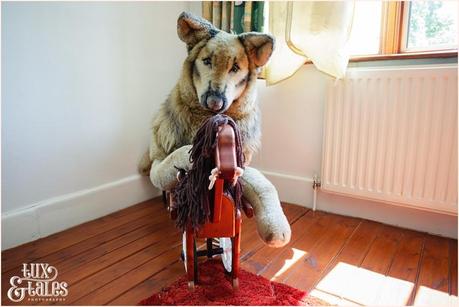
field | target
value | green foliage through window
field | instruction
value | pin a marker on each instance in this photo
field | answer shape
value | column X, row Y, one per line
column 432, row 24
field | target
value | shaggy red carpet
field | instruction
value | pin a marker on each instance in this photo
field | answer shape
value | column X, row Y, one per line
column 215, row 289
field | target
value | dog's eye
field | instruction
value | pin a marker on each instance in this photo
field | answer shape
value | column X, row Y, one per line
column 235, row 68
column 207, row 61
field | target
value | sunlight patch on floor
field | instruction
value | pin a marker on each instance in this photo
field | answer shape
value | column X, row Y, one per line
column 365, row 287
column 430, row 297
column 346, row 284
column 332, row 299
column 297, row 255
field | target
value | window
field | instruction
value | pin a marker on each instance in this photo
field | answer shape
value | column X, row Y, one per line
column 431, row 25
column 404, row 28
column 366, row 28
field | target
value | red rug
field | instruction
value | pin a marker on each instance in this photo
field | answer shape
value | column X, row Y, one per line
column 215, row 289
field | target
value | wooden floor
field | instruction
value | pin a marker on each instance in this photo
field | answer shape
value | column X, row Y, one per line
column 126, row 256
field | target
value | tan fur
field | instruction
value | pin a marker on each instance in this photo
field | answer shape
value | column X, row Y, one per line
column 182, row 113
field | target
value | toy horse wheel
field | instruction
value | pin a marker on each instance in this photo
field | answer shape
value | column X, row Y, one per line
column 195, row 259
column 227, row 255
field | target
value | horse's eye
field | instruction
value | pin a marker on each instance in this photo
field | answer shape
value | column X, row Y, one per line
column 207, row 61
column 235, row 68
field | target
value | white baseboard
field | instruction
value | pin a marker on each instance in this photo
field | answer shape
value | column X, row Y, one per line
column 59, row 213
column 298, row 190
column 292, row 189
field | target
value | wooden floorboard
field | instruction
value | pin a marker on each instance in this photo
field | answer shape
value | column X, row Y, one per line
column 91, row 276
column 304, row 272
column 376, row 264
column 453, row 267
column 432, row 286
column 399, row 282
column 150, row 285
column 261, row 258
column 330, row 284
column 126, row 256
column 251, row 242
column 45, row 246
column 279, row 267
column 97, row 246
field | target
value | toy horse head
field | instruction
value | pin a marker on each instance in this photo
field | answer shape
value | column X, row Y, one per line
column 216, row 153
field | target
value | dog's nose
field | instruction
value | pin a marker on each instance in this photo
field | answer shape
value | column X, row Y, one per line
column 214, row 103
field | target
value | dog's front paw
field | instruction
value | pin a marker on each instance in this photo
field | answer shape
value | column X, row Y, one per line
column 274, row 229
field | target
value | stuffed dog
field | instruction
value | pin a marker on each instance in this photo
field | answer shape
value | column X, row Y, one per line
column 218, row 76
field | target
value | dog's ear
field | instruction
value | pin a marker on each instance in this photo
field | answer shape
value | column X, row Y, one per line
column 192, row 29
column 259, row 46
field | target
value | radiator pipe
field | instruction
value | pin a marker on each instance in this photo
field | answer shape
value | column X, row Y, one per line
column 315, row 187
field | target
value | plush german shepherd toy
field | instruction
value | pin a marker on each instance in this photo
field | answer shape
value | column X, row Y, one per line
column 218, row 76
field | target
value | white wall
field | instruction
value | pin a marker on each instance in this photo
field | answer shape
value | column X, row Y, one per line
column 292, row 115
column 80, row 83
column 292, row 123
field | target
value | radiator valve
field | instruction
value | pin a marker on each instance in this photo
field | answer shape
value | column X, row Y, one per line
column 316, row 181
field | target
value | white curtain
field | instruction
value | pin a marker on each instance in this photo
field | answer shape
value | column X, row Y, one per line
column 315, row 30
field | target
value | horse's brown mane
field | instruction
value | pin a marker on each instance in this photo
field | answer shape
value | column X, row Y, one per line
column 192, row 197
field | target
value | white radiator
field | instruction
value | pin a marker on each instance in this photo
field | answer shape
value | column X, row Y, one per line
column 391, row 135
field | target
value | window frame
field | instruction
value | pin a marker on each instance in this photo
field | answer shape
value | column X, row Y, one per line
column 393, row 37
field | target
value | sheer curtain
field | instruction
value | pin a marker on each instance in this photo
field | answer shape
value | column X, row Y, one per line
column 314, row 30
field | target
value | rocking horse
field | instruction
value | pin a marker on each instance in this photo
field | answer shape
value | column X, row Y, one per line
column 207, row 200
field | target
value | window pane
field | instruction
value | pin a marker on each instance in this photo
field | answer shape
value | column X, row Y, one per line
column 366, row 28
column 432, row 25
